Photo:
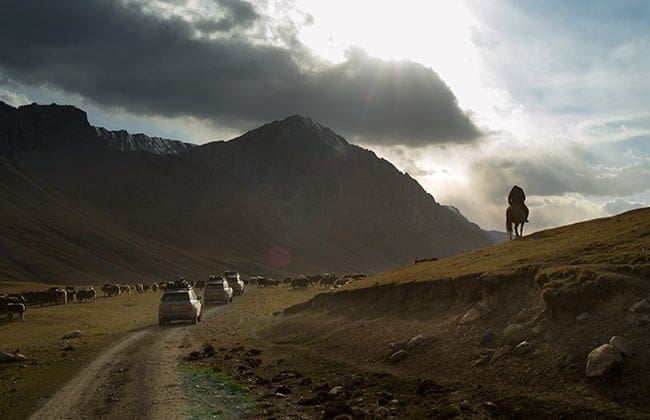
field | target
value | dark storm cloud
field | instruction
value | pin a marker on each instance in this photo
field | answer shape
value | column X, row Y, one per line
column 117, row 55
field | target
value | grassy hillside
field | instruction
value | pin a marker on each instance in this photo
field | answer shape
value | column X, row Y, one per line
column 614, row 244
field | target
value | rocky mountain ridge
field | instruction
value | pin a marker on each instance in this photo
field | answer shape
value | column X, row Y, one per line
column 291, row 196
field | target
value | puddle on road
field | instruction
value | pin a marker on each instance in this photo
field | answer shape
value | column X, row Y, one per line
column 214, row 395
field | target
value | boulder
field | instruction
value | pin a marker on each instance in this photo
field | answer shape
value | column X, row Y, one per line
column 641, row 307
column 602, row 360
column 337, row 392
column 347, row 382
column 471, row 316
column 417, row 342
column 72, row 334
column 18, row 357
column 515, row 333
column 523, row 348
column 398, row 356
column 526, row 314
column 622, row 345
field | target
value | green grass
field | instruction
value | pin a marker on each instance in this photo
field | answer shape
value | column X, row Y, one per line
column 23, row 389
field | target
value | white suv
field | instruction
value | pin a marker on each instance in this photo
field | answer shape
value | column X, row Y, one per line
column 179, row 305
column 217, row 289
column 235, row 281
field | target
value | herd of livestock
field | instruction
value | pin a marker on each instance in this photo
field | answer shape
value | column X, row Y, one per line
column 17, row 303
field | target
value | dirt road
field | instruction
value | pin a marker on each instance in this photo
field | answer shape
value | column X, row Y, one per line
column 135, row 378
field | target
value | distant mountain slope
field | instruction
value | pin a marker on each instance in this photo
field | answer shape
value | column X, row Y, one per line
column 289, row 197
column 122, row 140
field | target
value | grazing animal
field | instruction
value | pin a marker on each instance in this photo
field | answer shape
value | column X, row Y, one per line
column 300, row 282
column 139, row 288
column 15, row 308
column 515, row 216
column 154, row 287
column 70, row 290
column 86, row 295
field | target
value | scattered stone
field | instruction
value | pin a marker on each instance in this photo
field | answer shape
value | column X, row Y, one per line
column 642, row 307
column 470, row 316
column 345, row 381
column 417, row 342
column 386, row 395
column 280, row 395
column 321, row 386
column 583, row 317
column 68, row 347
column 23, row 366
column 622, row 345
column 195, row 354
column 357, row 393
column 254, row 352
column 515, row 333
column 305, row 382
column 262, row 381
column 308, row 401
column 526, row 314
column 337, row 392
column 208, row 349
column 465, row 405
column 276, row 313
column 336, row 408
column 489, row 338
column 236, row 349
column 359, row 412
column 19, row 357
column 283, row 389
column 398, row 356
column 523, row 348
column 381, row 412
column 602, row 360
column 72, row 334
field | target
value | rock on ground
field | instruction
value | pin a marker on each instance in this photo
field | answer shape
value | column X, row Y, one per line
column 622, row 345
column 602, row 360
column 523, row 347
column 398, row 356
column 470, row 316
column 72, row 334
column 526, row 314
column 642, row 307
column 515, row 334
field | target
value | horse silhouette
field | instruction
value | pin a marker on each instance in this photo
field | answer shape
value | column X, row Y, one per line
column 515, row 215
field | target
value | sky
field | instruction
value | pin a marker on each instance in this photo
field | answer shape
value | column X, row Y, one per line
column 468, row 97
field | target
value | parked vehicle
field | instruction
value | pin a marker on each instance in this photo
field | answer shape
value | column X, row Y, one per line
column 180, row 304
column 217, row 289
column 235, row 281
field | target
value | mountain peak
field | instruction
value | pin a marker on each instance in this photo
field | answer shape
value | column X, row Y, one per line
column 300, row 131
